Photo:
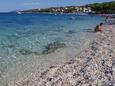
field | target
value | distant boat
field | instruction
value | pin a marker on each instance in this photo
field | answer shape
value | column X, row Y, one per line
column 55, row 14
column 83, row 14
column 19, row 12
column 72, row 18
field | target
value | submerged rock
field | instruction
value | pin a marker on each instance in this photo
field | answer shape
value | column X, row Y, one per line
column 52, row 47
column 9, row 46
column 71, row 32
column 25, row 51
column 48, row 49
column 36, row 53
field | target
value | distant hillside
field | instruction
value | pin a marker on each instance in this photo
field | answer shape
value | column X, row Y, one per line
column 106, row 7
column 99, row 8
column 67, row 9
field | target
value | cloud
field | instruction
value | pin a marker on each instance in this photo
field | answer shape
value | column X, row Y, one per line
column 31, row 3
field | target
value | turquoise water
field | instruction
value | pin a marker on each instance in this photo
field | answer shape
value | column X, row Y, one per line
column 32, row 32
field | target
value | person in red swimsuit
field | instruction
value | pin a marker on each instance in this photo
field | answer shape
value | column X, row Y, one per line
column 98, row 28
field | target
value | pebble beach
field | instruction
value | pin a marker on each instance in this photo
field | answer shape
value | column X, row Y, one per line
column 94, row 66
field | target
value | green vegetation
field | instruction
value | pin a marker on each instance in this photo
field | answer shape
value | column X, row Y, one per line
column 106, row 7
column 99, row 8
column 68, row 9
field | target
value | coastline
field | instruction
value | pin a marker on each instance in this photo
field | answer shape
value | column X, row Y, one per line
column 93, row 66
column 25, row 58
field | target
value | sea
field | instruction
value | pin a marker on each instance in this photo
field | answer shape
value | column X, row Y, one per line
column 30, row 41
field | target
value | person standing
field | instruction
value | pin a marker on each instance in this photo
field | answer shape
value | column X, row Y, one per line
column 107, row 19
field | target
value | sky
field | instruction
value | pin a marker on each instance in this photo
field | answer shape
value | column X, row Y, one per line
column 11, row 5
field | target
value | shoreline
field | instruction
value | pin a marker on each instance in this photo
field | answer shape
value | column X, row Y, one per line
column 60, row 56
column 22, row 65
column 93, row 66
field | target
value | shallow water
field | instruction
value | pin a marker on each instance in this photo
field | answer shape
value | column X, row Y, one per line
column 24, row 37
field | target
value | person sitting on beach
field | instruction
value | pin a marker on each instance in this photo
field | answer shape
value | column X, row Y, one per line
column 98, row 28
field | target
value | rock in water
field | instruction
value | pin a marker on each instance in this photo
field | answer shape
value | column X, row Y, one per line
column 71, row 32
column 25, row 51
column 52, row 47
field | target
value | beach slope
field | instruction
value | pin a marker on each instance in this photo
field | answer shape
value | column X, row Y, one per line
column 95, row 66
